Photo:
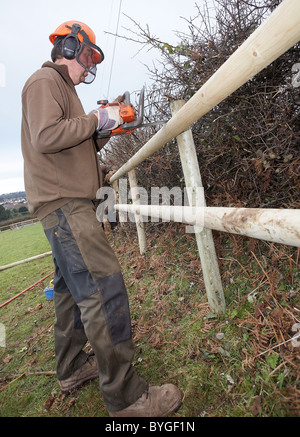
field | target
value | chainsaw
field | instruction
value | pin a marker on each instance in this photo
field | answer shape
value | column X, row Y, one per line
column 132, row 119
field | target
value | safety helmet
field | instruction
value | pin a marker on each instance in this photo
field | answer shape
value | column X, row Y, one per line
column 64, row 29
column 79, row 39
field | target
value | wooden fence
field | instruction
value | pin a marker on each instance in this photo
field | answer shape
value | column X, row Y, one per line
column 19, row 225
column 271, row 39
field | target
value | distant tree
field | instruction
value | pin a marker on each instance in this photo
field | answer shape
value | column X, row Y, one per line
column 23, row 209
column 4, row 213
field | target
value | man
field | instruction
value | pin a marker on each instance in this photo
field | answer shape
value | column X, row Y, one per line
column 62, row 176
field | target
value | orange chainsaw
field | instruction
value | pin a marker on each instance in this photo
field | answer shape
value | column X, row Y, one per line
column 132, row 119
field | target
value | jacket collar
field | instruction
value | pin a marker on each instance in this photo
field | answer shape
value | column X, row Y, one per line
column 62, row 70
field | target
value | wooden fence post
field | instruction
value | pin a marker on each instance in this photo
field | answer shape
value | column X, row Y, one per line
column 204, row 238
column 138, row 218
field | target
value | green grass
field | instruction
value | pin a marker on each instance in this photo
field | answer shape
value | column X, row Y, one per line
column 22, row 243
column 175, row 332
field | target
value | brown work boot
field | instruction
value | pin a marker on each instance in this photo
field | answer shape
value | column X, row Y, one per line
column 85, row 373
column 155, row 402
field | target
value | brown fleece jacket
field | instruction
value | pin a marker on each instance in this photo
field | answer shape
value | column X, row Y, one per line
column 60, row 160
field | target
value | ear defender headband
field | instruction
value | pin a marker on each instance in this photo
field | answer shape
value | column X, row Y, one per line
column 71, row 43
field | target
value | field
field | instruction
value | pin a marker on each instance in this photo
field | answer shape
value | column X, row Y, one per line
column 227, row 365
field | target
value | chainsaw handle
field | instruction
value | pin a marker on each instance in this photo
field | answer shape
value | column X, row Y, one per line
column 126, row 98
column 140, row 115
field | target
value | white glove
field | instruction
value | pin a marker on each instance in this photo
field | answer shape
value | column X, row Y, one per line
column 109, row 118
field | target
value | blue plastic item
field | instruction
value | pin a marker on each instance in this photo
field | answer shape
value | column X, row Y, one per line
column 49, row 291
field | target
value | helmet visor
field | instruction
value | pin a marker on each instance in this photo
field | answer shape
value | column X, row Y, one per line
column 89, row 56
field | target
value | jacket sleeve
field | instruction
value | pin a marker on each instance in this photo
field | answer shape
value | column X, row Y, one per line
column 100, row 143
column 50, row 130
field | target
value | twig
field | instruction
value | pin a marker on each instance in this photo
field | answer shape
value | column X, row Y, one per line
column 50, row 372
column 260, row 285
column 277, row 368
column 277, row 345
column 20, row 376
column 267, row 276
column 242, row 267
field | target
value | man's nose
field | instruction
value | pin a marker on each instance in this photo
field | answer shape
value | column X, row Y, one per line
column 90, row 62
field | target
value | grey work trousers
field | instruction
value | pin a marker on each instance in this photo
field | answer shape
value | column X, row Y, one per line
column 91, row 303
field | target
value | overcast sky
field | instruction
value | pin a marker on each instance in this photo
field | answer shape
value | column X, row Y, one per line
column 24, row 46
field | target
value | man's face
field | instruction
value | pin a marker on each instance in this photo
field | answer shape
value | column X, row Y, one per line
column 77, row 72
column 82, row 66
column 88, row 59
column 85, row 57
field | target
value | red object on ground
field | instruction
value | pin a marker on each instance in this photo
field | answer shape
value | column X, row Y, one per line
column 29, row 288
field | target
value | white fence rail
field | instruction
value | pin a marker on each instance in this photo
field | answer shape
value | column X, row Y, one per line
column 271, row 39
column 276, row 225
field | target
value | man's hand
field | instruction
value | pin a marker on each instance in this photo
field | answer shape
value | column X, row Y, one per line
column 107, row 172
column 119, row 99
column 108, row 118
column 109, row 175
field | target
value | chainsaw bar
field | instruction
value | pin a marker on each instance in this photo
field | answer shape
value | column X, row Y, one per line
column 125, row 130
column 153, row 123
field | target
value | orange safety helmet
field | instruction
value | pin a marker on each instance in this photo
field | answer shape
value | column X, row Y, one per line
column 77, row 36
column 66, row 27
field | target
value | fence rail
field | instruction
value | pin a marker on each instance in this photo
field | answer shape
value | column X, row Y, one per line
column 279, row 32
column 276, row 225
column 18, row 225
